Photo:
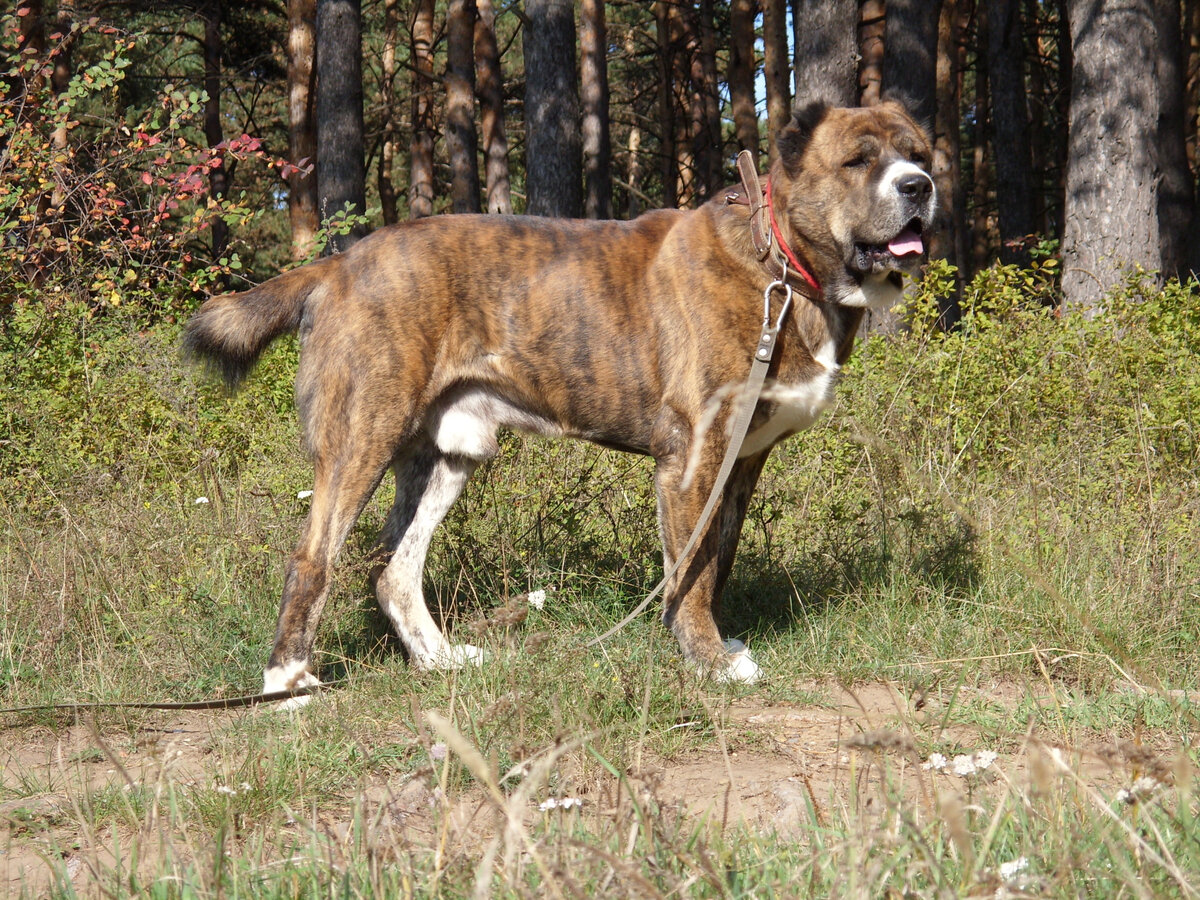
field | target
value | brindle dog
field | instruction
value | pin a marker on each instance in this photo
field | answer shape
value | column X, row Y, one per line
column 425, row 338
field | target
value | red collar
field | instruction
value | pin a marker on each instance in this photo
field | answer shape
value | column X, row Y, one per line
column 788, row 253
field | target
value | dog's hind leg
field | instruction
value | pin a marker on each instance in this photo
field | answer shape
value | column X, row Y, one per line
column 693, row 595
column 427, row 484
column 343, row 482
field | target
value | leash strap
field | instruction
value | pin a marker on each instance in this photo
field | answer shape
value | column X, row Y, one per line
column 226, row 703
column 764, row 352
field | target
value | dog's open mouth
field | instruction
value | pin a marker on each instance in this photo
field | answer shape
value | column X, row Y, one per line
column 901, row 252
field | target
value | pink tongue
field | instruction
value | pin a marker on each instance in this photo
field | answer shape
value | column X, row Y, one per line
column 906, row 242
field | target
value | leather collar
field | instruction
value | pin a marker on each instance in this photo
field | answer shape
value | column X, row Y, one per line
column 779, row 260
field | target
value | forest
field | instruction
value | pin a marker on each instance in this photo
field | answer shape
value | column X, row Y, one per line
column 212, row 140
column 974, row 585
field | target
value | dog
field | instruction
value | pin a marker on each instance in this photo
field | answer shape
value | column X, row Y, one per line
column 424, row 339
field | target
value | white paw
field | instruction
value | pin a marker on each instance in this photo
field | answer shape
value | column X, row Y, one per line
column 452, row 657
column 289, row 678
column 740, row 668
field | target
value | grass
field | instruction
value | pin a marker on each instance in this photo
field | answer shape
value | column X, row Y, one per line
column 990, row 544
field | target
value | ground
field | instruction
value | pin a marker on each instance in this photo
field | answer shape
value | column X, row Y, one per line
column 769, row 768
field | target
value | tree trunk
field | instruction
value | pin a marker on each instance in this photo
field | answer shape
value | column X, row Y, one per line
column 218, row 176
column 741, row 75
column 341, row 179
column 949, row 241
column 633, row 172
column 910, row 54
column 871, row 25
column 1010, row 129
column 597, row 149
column 420, row 196
column 1042, row 134
column 302, row 125
column 1113, row 167
column 60, row 80
column 553, row 167
column 1066, row 69
column 981, row 172
column 1191, row 102
column 1191, row 24
column 489, row 85
column 709, row 149
column 1176, row 199
column 825, row 38
column 387, row 88
column 461, row 142
column 663, row 14
column 775, row 70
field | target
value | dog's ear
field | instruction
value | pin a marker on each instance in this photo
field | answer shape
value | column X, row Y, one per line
column 794, row 138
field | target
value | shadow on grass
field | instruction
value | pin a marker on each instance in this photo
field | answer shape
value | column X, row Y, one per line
column 765, row 594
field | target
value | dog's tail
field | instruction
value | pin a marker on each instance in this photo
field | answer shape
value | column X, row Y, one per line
column 231, row 331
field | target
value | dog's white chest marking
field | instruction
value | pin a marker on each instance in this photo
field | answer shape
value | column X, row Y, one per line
column 797, row 406
column 467, row 426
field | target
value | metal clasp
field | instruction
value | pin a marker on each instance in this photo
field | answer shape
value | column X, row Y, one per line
column 766, row 341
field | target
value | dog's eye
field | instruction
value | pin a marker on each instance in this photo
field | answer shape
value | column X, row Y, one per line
column 856, row 162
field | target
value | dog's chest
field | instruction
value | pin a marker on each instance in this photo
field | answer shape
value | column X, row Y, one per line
column 795, row 407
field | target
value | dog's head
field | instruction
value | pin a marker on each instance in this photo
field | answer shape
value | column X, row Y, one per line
column 854, row 189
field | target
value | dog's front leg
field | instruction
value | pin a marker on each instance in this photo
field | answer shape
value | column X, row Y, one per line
column 693, row 594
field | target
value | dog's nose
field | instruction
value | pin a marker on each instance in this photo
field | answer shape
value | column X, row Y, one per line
column 915, row 186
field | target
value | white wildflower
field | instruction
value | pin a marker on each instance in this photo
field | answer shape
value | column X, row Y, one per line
column 226, row 790
column 936, row 762
column 1142, row 789
column 537, row 599
column 967, row 764
column 559, row 803
column 1010, row 870
column 438, row 751
column 200, row 501
column 985, row 758
column 303, row 495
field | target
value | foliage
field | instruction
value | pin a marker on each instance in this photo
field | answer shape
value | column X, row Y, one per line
column 104, row 204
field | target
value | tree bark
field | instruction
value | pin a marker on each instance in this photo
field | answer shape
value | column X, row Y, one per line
column 341, row 179
column 825, row 41
column 741, row 75
column 420, row 196
column 871, row 26
column 708, row 145
column 1113, row 167
column 663, row 14
column 981, row 172
column 553, row 167
column 1010, row 129
column 910, row 55
column 1176, row 199
column 302, row 126
column 387, row 88
column 489, row 85
column 1191, row 31
column 949, row 241
column 633, row 147
column 461, row 141
column 775, row 70
column 597, row 149
column 218, row 175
